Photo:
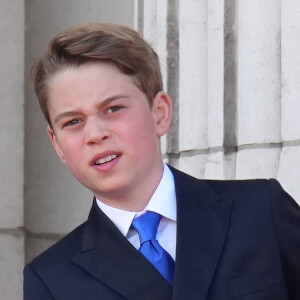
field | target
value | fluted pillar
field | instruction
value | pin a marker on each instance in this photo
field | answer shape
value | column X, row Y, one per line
column 259, row 88
column 289, row 167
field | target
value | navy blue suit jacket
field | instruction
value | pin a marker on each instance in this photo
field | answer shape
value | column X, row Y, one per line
column 235, row 240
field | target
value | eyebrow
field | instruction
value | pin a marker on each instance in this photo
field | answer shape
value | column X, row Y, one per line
column 101, row 104
column 64, row 115
column 105, row 102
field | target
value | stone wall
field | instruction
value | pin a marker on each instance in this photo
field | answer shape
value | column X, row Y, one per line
column 12, row 148
column 232, row 70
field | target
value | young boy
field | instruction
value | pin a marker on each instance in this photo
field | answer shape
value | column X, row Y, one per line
column 153, row 232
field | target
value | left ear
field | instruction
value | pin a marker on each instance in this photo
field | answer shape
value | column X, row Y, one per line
column 162, row 111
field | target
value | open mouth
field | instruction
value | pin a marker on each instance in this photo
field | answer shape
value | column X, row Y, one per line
column 106, row 159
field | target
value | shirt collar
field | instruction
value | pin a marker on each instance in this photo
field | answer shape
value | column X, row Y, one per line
column 163, row 201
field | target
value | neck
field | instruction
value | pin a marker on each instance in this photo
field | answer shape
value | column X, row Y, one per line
column 137, row 197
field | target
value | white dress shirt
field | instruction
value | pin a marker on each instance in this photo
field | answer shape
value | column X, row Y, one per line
column 163, row 202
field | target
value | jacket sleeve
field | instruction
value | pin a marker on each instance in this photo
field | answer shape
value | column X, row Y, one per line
column 286, row 216
column 33, row 287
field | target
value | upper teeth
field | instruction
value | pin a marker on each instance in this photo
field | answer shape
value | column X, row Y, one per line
column 106, row 159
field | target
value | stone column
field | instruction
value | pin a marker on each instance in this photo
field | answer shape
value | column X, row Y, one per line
column 193, row 107
column 154, row 29
column 259, row 88
column 289, row 167
column 12, row 148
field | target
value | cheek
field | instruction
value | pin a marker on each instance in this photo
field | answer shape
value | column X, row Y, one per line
column 143, row 125
column 141, row 133
column 71, row 148
column 143, row 139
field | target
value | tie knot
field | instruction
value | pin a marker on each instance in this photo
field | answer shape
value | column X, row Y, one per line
column 146, row 225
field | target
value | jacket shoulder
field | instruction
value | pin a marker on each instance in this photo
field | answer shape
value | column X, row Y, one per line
column 222, row 187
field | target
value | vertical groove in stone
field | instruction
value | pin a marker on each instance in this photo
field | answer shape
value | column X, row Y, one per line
column 230, row 88
column 280, row 91
column 173, row 75
column 26, row 121
column 280, row 73
column 140, row 16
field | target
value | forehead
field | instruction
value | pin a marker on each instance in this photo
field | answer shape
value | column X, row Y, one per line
column 89, row 85
column 87, row 79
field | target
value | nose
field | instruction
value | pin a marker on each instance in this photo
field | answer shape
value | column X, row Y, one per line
column 96, row 131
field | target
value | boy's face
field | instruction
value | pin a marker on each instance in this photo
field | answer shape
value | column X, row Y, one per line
column 105, row 131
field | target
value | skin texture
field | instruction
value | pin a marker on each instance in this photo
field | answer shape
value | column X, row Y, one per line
column 96, row 112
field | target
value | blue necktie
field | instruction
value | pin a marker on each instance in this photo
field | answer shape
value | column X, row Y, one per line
column 146, row 226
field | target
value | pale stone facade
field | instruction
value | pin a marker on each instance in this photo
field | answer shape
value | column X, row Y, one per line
column 235, row 81
column 230, row 66
column 12, row 235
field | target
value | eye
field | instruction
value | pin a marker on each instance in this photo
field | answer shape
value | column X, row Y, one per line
column 71, row 123
column 113, row 109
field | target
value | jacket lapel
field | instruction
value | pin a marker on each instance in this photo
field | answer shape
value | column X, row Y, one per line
column 109, row 257
column 202, row 224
